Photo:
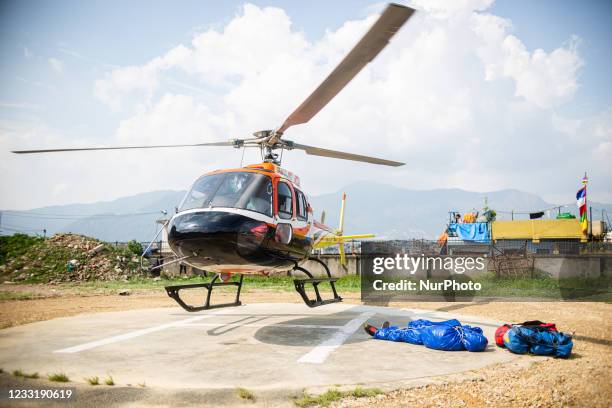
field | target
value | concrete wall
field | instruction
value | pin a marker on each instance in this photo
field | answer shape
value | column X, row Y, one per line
column 584, row 266
column 333, row 263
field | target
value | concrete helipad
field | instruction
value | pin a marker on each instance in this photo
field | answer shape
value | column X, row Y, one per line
column 256, row 346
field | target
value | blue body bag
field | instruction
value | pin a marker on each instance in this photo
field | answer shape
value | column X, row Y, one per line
column 448, row 335
column 522, row 340
column 443, row 336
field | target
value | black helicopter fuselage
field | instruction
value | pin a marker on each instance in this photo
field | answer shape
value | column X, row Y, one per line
column 225, row 241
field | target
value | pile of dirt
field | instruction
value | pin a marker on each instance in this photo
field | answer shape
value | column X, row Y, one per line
column 71, row 258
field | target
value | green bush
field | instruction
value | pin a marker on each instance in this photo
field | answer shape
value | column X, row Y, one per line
column 14, row 246
column 134, row 247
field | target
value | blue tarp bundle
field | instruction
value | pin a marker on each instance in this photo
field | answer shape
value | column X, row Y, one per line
column 522, row 340
column 476, row 231
column 449, row 335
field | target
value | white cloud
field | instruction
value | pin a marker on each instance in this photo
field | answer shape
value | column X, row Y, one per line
column 456, row 95
column 544, row 79
column 57, row 65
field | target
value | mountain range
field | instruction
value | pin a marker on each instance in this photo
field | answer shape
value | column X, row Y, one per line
column 387, row 211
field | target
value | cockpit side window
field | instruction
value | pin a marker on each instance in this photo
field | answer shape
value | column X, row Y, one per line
column 258, row 195
column 285, row 201
column 301, row 206
column 245, row 190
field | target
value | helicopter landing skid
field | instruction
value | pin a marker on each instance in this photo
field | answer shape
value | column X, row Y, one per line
column 173, row 292
column 300, row 286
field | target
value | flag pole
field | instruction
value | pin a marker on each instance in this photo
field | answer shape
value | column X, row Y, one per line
column 585, row 181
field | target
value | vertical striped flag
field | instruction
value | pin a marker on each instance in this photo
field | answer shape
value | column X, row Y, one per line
column 581, row 202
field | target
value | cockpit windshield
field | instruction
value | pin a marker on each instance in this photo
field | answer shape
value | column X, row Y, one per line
column 246, row 190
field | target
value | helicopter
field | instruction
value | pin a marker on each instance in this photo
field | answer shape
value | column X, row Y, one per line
column 257, row 220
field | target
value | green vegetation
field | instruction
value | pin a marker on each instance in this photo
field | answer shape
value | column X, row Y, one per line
column 14, row 246
column 109, row 381
column 274, row 283
column 334, row 395
column 19, row 373
column 245, row 394
column 58, row 377
column 93, row 380
column 134, row 248
column 359, row 392
column 545, row 287
column 6, row 295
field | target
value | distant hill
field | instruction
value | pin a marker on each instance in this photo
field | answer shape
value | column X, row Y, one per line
column 94, row 220
column 388, row 211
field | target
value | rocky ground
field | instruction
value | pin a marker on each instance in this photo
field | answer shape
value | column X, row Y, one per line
column 584, row 380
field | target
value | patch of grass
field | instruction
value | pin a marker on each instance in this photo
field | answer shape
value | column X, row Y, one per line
column 245, row 394
column 5, row 295
column 13, row 246
column 19, row 373
column 323, row 400
column 334, row 395
column 349, row 283
column 359, row 392
column 58, row 377
column 93, row 380
column 109, row 381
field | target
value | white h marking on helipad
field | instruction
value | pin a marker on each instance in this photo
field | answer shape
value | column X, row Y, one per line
column 130, row 335
column 320, row 353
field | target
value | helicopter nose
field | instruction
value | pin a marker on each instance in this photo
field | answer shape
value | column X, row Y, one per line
column 215, row 237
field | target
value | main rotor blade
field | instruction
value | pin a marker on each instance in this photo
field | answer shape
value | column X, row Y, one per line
column 389, row 22
column 317, row 151
column 228, row 143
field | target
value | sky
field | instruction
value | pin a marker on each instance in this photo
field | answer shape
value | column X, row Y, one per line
column 471, row 94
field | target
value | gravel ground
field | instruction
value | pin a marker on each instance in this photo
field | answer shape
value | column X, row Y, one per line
column 584, row 380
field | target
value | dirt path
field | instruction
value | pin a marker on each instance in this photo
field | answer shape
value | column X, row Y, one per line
column 583, row 381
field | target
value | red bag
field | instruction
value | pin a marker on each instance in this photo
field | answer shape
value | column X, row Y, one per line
column 534, row 324
column 499, row 334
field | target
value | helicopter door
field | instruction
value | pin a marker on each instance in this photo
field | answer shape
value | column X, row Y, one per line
column 285, row 204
